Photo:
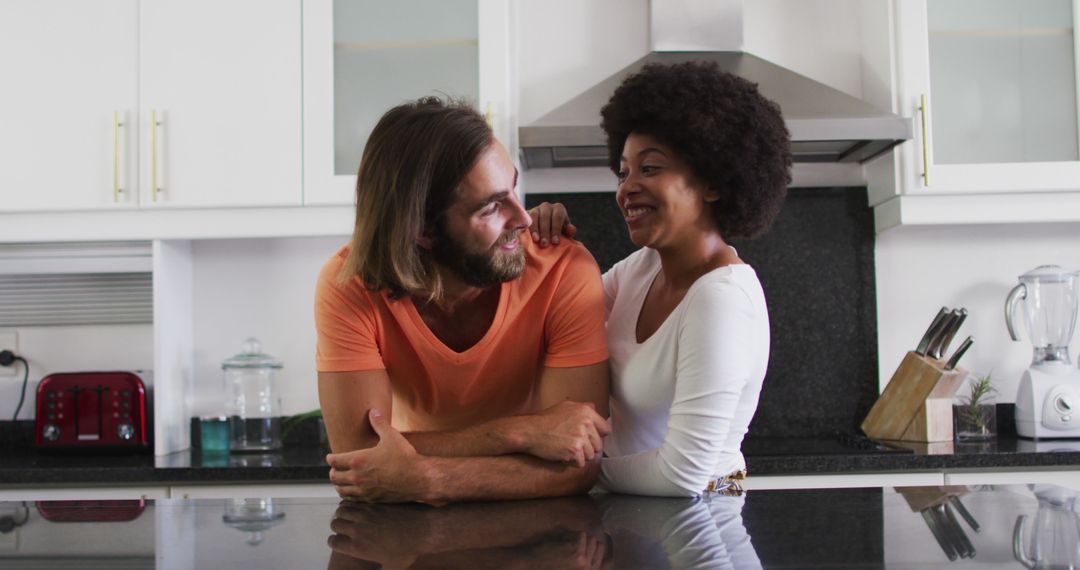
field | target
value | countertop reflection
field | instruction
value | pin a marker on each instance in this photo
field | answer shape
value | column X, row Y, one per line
column 877, row 527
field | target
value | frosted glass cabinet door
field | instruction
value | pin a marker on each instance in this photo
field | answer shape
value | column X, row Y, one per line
column 222, row 81
column 69, row 67
column 1003, row 78
column 1000, row 81
column 362, row 57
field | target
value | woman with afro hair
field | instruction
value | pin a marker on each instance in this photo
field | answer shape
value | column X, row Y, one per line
column 701, row 159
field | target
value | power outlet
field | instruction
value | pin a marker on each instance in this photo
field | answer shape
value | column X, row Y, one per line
column 9, row 340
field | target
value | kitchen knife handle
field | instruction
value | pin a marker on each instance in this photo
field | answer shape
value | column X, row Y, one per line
column 955, row 358
column 928, row 336
column 925, row 151
column 117, row 124
column 154, row 124
column 934, row 350
column 958, row 318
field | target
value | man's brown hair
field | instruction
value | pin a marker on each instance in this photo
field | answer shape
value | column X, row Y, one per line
column 415, row 159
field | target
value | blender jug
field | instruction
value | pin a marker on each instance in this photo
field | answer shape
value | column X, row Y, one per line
column 253, row 404
column 1048, row 295
column 1055, row 536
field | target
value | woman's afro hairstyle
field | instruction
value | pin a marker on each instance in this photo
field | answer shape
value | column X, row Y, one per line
column 733, row 139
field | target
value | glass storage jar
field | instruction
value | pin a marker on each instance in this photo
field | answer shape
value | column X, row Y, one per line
column 254, row 406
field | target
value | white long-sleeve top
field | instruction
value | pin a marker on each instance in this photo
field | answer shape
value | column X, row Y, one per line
column 682, row 400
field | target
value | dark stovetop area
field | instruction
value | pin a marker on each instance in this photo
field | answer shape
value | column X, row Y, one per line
column 841, row 444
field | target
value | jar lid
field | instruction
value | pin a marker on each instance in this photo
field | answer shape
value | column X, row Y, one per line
column 251, row 356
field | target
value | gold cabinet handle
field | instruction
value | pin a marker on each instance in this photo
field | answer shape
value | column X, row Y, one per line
column 154, row 124
column 117, row 124
column 925, row 151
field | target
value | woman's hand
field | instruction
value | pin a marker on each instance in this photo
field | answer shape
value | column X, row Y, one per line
column 548, row 221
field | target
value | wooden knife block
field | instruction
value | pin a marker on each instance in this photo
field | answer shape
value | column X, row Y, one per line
column 917, row 403
column 921, row 498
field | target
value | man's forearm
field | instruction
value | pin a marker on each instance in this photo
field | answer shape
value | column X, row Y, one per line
column 495, row 437
column 451, row 479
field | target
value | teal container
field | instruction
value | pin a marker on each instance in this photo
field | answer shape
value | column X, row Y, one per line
column 214, row 434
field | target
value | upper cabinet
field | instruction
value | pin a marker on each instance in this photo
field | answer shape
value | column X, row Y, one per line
column 362, row 57
column 220, row 102
column 992, row 85
column 68, row 104
column 122, row 103
column 998, row 79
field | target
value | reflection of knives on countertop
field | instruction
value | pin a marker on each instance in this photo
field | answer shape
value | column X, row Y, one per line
column 963, row 543
column 957, row 319
column 938, row 532
column 955, row 358
column 935, row 328
column 966, row 514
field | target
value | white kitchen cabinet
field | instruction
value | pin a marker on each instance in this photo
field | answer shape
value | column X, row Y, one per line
column 62, row 493
column 362, row 57
column 220, row 103
column 992, row 86
column 69, row 68
column 280, row 490
column 155, row 103
column 1057, row 476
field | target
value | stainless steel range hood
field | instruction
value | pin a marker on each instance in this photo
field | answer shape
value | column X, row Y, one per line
column 826, row 125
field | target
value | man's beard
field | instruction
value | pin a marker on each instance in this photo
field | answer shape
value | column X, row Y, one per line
column 484, row 269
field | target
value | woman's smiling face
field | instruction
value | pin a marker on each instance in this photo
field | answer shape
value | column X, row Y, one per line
column 661, row 199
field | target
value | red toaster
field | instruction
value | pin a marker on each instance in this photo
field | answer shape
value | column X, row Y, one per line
column 104, row 411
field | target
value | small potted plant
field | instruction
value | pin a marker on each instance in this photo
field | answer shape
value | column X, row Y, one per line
column 975, row 409
column 298, row 422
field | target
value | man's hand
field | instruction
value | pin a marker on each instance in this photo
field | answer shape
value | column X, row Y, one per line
column 390, row 472
column 571, row 432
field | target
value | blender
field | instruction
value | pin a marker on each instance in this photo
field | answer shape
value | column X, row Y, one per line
column 1055, row 536
column 1048, row 400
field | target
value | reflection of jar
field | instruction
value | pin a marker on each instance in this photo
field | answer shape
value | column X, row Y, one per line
column 253, row 404
column 252, row 516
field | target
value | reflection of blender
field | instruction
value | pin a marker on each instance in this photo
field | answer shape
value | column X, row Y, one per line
column 1055, row 536
column 1048, row 401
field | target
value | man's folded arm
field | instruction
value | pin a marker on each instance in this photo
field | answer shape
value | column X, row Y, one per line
column 347, row 396
column 573, row 396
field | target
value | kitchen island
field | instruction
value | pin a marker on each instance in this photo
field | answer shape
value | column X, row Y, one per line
column 864, row 528
column 772, row 463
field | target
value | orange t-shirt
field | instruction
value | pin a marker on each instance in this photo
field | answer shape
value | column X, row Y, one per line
column 551, row 316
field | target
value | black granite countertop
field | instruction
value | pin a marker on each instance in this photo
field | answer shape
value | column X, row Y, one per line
column 848, row 528
column 300, row 464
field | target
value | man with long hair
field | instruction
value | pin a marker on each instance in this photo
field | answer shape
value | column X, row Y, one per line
column 456, row 360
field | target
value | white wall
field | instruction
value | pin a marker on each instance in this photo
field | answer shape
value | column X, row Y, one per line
column 263, row 288
column 817, row 38
column 566, row 46
column 74, row 349
column 921, row 269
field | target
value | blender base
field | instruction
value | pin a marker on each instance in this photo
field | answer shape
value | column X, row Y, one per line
column 1048, row 403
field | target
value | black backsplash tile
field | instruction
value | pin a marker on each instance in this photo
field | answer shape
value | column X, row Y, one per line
column 817, row 268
